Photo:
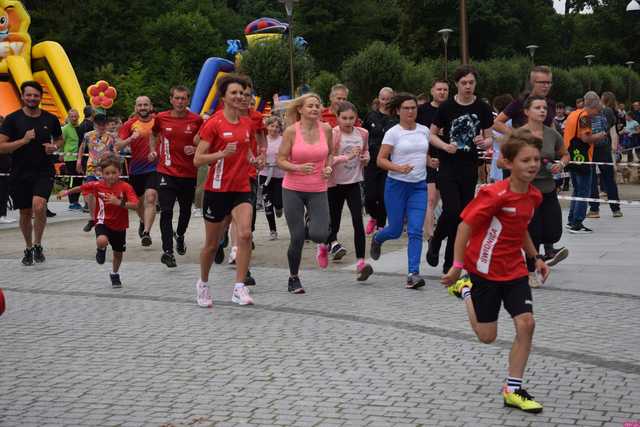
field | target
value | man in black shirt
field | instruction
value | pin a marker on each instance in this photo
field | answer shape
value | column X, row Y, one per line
column 465, row 122
column 426, row 114
column 31, row 135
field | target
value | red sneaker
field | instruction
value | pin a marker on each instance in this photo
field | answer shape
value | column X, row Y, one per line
column 371, row 226
column 322, row 256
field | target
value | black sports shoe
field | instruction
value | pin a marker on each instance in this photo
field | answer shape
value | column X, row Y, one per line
column 414, row 281
column 180, row 247
column 295, row 286
column 115, row 280
column 169, row 260
column 555, row 256
column 27, row 259
column 433, row 253
column 141, row 229
column 88, row 226
column 376, row 248
column 219, row 259
column 101, row 255
column 579, row 229
column 38, row 255
column 146, row 239
column 249, row 281
column 50, row 214
column 338, row 252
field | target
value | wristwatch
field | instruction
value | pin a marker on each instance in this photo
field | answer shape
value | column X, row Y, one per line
column 539, row 257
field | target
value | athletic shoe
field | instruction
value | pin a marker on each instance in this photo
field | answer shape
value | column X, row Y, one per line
column 376, row 248
column 219, row 259
column 593, row 214
column 456, row 289
column 75, row 207
column 364, row 271
column 568, row 226
column 371, row 226
column 88, row 226
column 534, row 282
column 180, row 246
column 101, row 255
column 27, row 259
column 6, row 220
column 141, row 230
column 580, row 229
column 556, row 256
column 85, row 208
column 522, row 400
column 146, row 239
column 295, row 286
column 433, row 253
column 50, row 214
column 232, row 255
column 337, row 252
column 168, row 259
column 617, row 214
column 273, row 235
column 241, row 296
column 278, row 213
column 38, row 255
column 115, row 280
column 414, row 281
column 202, row 295
column 249, row 280
column 322, row 255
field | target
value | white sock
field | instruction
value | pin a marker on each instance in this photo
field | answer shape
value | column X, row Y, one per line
column 239, row 285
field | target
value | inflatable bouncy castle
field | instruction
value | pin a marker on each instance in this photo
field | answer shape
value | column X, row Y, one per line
column 46, row 62
column 205, row 95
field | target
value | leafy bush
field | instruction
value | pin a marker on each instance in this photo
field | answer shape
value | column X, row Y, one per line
column 321, row 84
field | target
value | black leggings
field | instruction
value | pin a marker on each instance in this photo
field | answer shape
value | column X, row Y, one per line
column 374, row 179
column 546, row 225
column 271, row 199
column 183, row 190
column 351, row 194
column 457, row 188
column 254, row 202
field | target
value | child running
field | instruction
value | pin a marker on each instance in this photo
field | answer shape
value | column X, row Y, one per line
column 112, row 199
column 351, row 155
column 271, row 176
column 489, row 245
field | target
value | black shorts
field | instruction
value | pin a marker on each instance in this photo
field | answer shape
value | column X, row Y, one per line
column 432, row 175
column 487, row 296
column 217, row 206
column 117, row 238
column 144, row 182
column 23, row 189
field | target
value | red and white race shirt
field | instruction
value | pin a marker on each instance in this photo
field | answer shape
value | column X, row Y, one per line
column 230, row 174
column 499, row 219
column 174, row 134
column 113, row 216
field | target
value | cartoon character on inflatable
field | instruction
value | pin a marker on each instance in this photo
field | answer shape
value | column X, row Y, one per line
column 46, row 62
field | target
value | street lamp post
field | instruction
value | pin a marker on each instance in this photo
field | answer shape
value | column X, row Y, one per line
column 589, row 59
column 288, row 5
column 445, row 33
column 464, row 33
column 629, row 64
column 532, row 53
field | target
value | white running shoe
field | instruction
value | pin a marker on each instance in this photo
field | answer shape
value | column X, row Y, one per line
column 197, row 213
column 6, row 220
column 534, row 281
column 241, row 296
column 202, row 295
column 232, row 255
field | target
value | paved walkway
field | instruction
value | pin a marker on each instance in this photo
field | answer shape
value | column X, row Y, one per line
column 75, row 352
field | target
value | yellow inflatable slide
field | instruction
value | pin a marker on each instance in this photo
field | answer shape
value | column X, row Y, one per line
column 46, row 62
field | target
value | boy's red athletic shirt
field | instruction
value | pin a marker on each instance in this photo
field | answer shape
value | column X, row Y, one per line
column 175, row 133
column 231, row 173
column 499, row 219
column 113, row 216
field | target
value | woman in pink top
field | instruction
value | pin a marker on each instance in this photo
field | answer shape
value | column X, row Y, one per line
column 305, row 156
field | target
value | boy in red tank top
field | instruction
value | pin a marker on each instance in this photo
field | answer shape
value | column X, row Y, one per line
column 113, row 199
column 490, row 244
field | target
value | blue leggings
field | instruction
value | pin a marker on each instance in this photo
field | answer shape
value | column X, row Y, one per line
column 405, row 200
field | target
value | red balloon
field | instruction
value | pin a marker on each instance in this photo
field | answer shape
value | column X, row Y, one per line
column 110, row 92
column 103, row 85
column 107, row 102
column 94, row 90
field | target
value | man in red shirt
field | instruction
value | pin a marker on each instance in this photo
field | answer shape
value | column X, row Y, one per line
column 491, row 239
column 136, row 133
column 113, row 199
column 172, row 143
column 339, row 93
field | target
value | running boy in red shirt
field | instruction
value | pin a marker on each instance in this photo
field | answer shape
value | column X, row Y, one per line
column 113, row 198
column 490, row 240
